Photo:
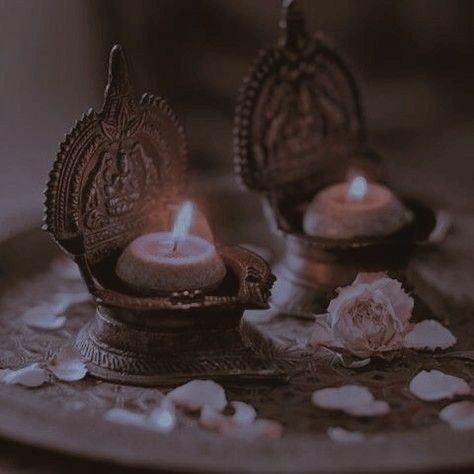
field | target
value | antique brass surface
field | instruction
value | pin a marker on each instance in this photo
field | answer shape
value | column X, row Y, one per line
column 299, row 126
column 120, row 173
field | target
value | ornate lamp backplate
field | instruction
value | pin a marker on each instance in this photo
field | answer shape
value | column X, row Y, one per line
column 118, row 171
column 299, row 122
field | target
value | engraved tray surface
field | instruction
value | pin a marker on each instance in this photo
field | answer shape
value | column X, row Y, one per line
column 66, row 417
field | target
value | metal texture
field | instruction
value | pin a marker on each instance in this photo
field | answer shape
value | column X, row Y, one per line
column 299, row 122
column 119, row 174
column 299, row 126
column 182, row 336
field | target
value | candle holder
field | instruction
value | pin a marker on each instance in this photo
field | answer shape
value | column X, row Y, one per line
column 300, row 127
column 119, row 174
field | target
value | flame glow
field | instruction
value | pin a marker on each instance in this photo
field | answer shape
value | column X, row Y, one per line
column 357, row 189
column 183, row 221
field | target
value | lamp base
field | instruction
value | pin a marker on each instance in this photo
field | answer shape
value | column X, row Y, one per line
column 150, row 348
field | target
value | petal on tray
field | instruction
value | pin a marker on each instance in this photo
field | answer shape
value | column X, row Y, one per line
column 432, row 385
column 42, row 317
column 244, row 413
column 30, row 376
column 196, row 394
column 67, row 365
column 354, row 400
column 459, row 415
column 429, row 335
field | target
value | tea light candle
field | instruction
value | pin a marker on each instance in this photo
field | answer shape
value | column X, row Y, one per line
column 163, row 262
column 355, row 209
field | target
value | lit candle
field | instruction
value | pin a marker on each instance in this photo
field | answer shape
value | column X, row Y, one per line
column 163, row 262
column 355, row 209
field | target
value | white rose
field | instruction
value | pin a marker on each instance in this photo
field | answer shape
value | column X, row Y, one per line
column 369, row 316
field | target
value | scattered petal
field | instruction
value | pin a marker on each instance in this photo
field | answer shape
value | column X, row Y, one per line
column 67, row 365
column 49, row 314
column 244, row 413
column 322, row 334
column 30, row 376
column 340, row 435
column 42, row 317
column 459, row 415
column 242, row 424
column 429, row 334
column 125, row 417
column 352, row 399
column 342, row 398
column 435, row 385
column 163, row 418
column 198, row 393
column 374, row 408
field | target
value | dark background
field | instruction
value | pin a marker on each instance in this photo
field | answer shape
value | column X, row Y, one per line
column 415, row 60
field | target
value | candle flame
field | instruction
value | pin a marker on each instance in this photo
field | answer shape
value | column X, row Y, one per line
column 357, row 189
column 182, row 223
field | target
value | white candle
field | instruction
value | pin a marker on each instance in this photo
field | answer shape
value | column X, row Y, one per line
column 355, row 209
column 164, row 262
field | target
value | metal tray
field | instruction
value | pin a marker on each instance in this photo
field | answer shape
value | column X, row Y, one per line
column 67, row 417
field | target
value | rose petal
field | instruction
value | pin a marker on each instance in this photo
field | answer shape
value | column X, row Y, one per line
column 244, row 413
column 340, row 435
column 344, row 294
column 49, row 314
column 196, row 394
column 30, row 376
column 241, row 428
column 163, row 418
column 67, row 365
column 435, row 385
column 42, row 317
column 125, row 417
column 322, row 335
column 402, row 303
column 459, row 415
column 46, row 315
column 352, row 399
column 368, row 278
column 429, row 334
column 374, row 408
column 342, row 398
